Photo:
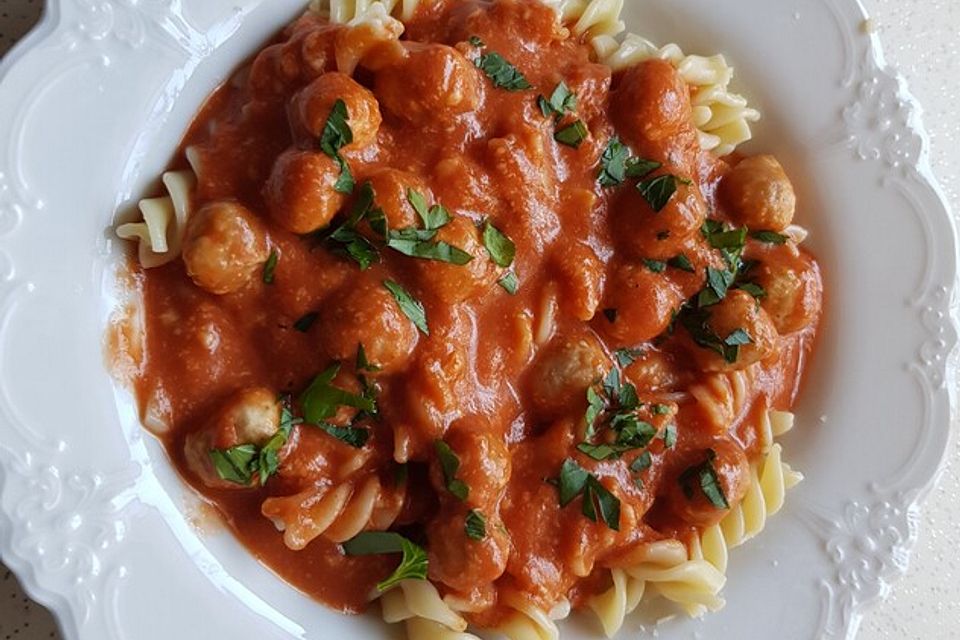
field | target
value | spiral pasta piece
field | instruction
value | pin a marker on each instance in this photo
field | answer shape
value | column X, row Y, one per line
column 724, row 396
column 347, row 11
column 530, row 622
column 337, row 513
column 417, row 602
column 160, row 234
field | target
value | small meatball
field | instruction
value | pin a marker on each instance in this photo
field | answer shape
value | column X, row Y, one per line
column 250, row 416
column 434, row 83
column 484, row 462
column 224, row 246
column 300, row 193
column 651, row 102
column 581, row 280
column 759, row 194
column 391, row 187
column 464, row 185
column 366, row 313
column 283, row 67
column 563, row 372
column 311, row 108
column 687, row 499
column 453, row 283
column 658, row 235
column 793, row 287
column 656, row 371
column 739, row 311
column 639, row 305
column 460, row 562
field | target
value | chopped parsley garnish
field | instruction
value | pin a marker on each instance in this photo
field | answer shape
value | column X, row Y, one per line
column 610, row 315
column 617, row 403
column 753, row 289
column 510, row 283
column 321, row 400
column 670, row 436
column 410, row 306
column 626, row 357
column 306, row 321
column 356, row 437
column 657, row 266
column 696, row 322
column 476, row 525
column 616, row 165
column 598, row 502
column 708, row 480
column 348, row 240
column 718, row 282
column 769, row 237
column 362, row 363
column 503, row 74
column 561, row 102
column 336, row 135
column 476, row 41
column 270, row 267
column 450, row 464
column 573, row 134
column 642, row 463
column 239, row 464
column 680, row 261
column 658, row 190
column 413, row 566
column 502, row 250
column 433, row 217
column 418, row 244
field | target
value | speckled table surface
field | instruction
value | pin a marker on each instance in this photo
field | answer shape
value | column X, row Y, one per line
column 920, row 38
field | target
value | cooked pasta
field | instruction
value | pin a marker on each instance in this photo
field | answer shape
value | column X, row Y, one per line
column 474, row 304
column 337, row 513
column 160, row 233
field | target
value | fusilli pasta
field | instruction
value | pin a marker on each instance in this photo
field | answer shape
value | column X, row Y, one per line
column 161, row 232
column 337, row 513
column 724, row 396
column 418, row 603
column 347, row 11
column 530, row 622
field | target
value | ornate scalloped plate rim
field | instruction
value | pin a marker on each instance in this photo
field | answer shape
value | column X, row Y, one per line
column 27, row 572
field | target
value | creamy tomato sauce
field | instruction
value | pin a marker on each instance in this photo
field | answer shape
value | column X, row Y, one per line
column 609, row 277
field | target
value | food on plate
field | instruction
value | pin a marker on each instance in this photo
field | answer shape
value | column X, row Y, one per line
column 475, row 308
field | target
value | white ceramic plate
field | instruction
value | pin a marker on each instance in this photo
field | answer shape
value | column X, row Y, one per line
column 98, row 526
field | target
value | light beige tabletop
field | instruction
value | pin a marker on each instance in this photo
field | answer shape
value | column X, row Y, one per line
column 922, row 39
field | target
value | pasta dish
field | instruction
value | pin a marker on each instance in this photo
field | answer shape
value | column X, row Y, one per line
column 474, row 309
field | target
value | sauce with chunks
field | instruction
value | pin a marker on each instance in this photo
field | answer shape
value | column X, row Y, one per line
column 468, row 275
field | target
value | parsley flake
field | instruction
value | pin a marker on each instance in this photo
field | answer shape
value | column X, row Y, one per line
column 501, row 249
column 503, row 74
column 573, row 134
column 413, row 565
column 336, row 135
column 769, row 237
column 410, row 306
column 304, row 324
column 561, row 102
column 657, row 191
column 450, row 464
column 476, row 525
column 270, row 267
column 509, row 283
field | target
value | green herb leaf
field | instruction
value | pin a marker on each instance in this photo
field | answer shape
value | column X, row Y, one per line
column 270, row 267
column 599, row 451
column 708, row 481
column 613, row 163
column 362, row 363
column 595, row 406
column 657, row 266
column 356, row 437
column 642, row 463
column 737, row 338
column 236, row 464
column 680, row 261
column 769, row 237
column 626, row 357
column 658, row 191
column 476, row 525
column 573, row 134
column 433, row 217
column 503, row 74
column 321, row 399
column 573, row 478
column 610, row 315
column 501, row 248
column 345, row 183
column 413, row 566
column 476, row 41
column 356, row 247
column 336, row 132
column 597, row 500
column 426, row 250
column 641, row 167
column 510, row 283
column 411, row 307
column 304, row 323
column 718, row 282
column 753, row 289
column 670, row 436
column 450, row 464
column 561, row 102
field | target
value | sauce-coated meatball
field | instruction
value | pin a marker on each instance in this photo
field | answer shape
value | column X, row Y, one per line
column 484, row 462
column 658, row 235
column 563, row 372
column 391, row 187
column 759, row 194
column 793, row 288
column 434, row 82
column 651, row 102
column 366, row 313
column 250, row 416
column 300, row 193
column 739, row 311
column 282, row 67
column 224, row 245
column 729, row 463
column 639, row 305
column 311, row 109
column 460, row 562
column 454, row 283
